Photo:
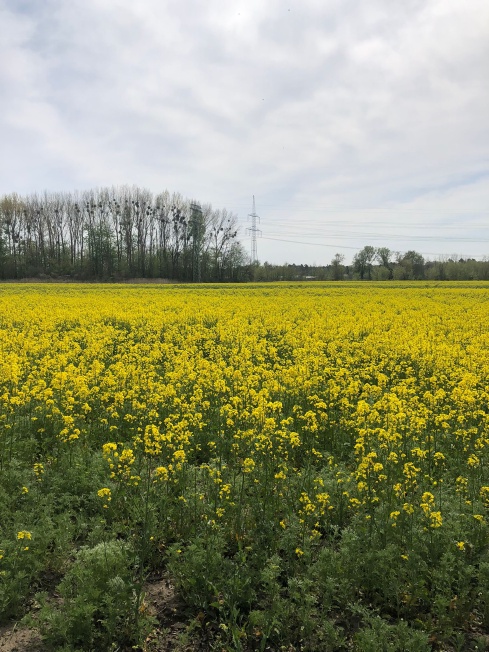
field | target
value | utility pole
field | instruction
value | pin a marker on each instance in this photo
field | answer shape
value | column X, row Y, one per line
column 253, row 231
column 196, row 241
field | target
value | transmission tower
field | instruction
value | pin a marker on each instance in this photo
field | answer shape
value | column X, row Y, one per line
column 253, row 230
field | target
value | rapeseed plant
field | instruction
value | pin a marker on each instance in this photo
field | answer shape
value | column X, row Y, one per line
column 288, row 420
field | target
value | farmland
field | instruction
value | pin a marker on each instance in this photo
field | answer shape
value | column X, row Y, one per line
column 306, row 464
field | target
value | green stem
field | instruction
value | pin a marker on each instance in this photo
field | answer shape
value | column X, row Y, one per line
column 143, row 548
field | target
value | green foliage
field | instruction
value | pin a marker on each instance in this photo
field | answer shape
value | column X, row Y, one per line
column 378, row 636
column 97, row 602
column 280, row 524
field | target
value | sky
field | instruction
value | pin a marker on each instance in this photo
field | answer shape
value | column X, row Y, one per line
column 352, row 123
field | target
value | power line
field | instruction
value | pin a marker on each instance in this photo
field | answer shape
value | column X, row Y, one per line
column 316, row 244
column 335, row 246
column 328, row 208
column 379, row 209
column 372, row 235
column 386, row 225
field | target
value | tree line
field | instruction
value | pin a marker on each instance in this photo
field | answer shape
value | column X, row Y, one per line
column 117, row 233
column 379, row 264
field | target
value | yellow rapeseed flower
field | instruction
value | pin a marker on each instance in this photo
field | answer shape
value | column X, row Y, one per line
column 248, row 465
column 24, row 534
column 436, row 519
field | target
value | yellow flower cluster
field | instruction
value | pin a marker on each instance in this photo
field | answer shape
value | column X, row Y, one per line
column 24, row 534
column 106, row 494
column 120, row 463
column 310, row 403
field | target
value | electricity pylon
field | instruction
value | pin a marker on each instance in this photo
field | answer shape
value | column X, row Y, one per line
column 253, row 230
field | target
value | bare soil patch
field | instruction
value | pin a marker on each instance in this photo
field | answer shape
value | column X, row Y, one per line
column 20, row 639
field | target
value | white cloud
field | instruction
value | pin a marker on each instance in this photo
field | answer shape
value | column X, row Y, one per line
column 369, row 109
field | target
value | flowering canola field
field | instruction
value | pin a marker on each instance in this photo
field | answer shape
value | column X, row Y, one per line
column 308, row 462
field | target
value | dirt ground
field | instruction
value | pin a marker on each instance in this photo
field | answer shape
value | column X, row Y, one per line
column 15, row 639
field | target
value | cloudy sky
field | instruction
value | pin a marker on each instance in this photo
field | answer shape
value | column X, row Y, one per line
column 351, row 122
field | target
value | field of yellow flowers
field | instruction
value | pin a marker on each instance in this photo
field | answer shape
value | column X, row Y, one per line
column 308, row 464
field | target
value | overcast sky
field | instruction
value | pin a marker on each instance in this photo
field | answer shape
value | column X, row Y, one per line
column 351, row 122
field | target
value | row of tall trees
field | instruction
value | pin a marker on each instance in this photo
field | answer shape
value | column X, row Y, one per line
column 117, row 233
